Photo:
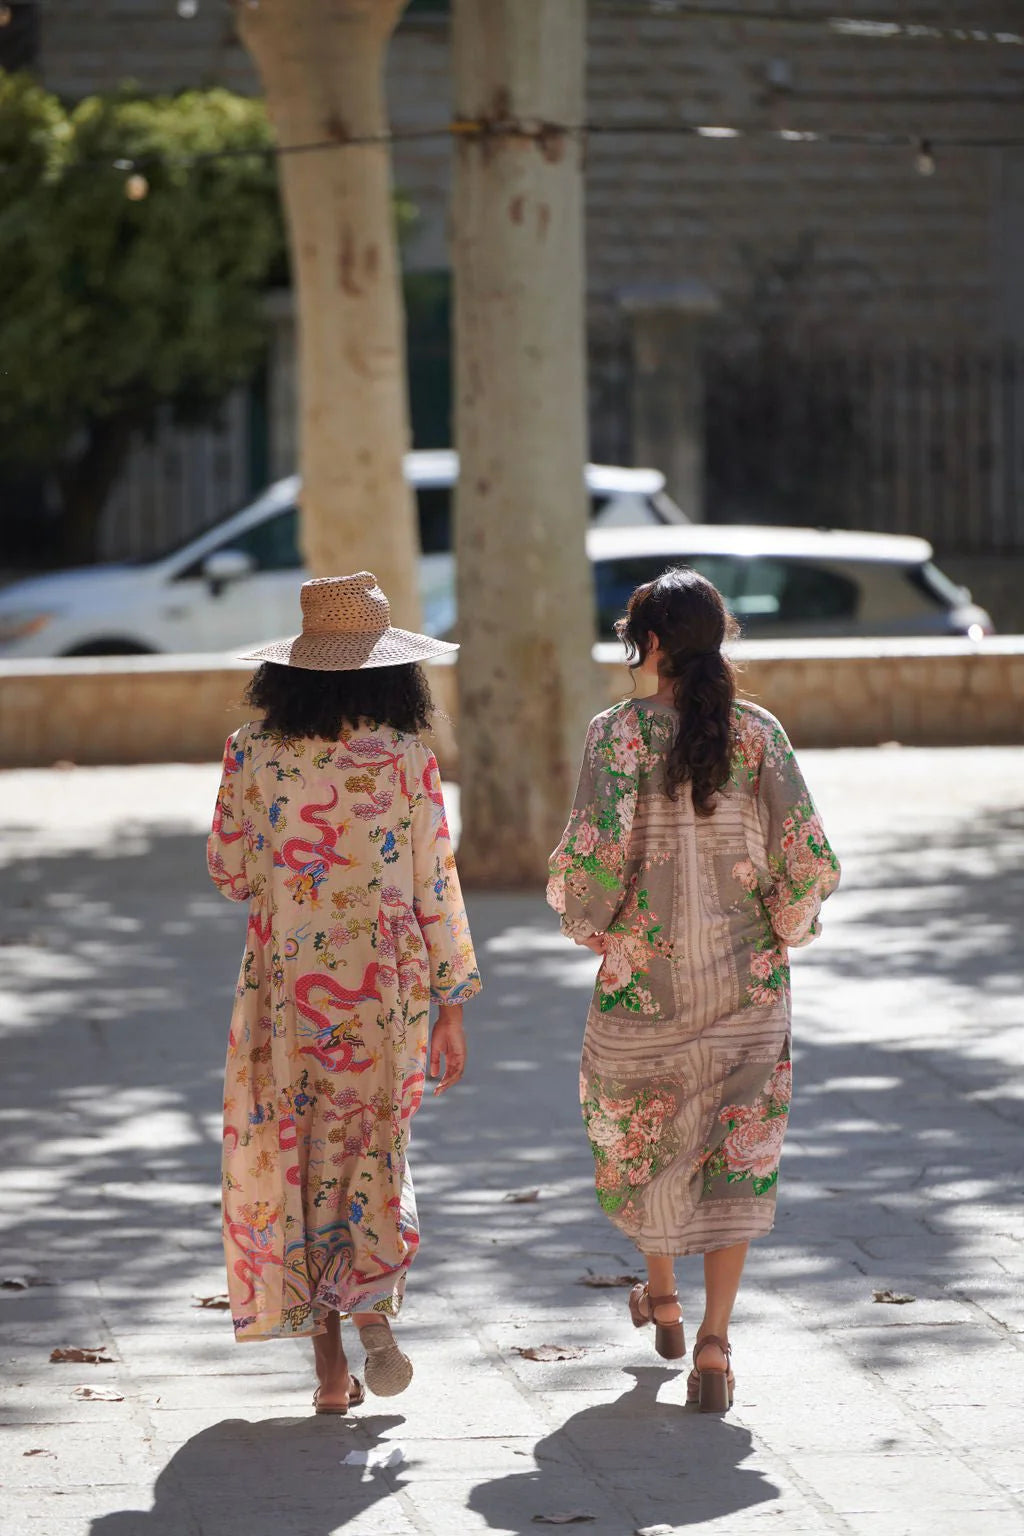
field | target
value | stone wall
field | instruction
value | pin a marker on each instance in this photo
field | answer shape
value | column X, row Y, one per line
column 827, row 693
column 892, row 248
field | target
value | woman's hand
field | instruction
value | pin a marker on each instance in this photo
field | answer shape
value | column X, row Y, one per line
column 596, row 942
column 449, row 1041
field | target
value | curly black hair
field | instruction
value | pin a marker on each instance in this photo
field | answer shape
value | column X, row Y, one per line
column 689, row 617
column 300, row 701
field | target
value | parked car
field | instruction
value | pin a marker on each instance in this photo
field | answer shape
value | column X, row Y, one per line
column 793, row 583
column 238, row 582
column 781, row 583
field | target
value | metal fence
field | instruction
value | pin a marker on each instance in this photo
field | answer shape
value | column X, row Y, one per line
column 903, row 439
column 179, row 481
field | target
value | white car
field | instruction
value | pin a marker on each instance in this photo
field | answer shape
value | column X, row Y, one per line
column 238, row 583
column 781, row 583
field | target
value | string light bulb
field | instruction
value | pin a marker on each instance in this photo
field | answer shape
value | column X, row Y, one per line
column 925, row 161
column 6, row 15
column 187, row 9
column 136, row 187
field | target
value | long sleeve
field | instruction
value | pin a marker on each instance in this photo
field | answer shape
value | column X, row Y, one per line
column 586, row 884
column 802, row 869
column 437, row 899
column 225, row 847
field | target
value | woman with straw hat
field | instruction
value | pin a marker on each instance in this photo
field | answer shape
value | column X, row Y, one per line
column 330, row 824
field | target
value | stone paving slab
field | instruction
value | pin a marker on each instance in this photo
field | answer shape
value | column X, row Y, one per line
column 903, row 1170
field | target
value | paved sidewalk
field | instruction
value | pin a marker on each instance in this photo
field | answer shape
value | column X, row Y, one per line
column 902, row 1172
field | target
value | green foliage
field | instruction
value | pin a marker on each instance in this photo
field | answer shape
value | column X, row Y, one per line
column 113, row 306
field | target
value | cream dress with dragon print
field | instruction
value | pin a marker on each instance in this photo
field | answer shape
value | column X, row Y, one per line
column 685, row 1078
column 356, row 922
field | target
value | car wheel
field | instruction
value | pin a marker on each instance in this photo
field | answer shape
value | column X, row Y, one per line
column 111, row 648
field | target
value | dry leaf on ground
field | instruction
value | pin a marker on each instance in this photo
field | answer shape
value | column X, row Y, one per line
column 893, row 1298
column 39, row 1451
column 550, row 1351
column 22, row 1282
column 99, row 1394
column 570, row 1517
column 86, row 1355
column 521, row 1196
column 606, row 1282
column 219, row 1303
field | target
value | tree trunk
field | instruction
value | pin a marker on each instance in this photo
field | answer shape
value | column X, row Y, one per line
column 527, row 683
column 321, row 62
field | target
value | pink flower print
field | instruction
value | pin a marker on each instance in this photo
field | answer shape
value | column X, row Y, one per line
column 641, row 1172
column 780, row 1084
column 616, row 971
column 762, row 964
column 631, row 1145
column 587, row 838
column 761, row 996
column 788, row 824
column 755, row 1146
column 746, row 874
column 602, row 1130
column 789, row 840
column 625, row 744
column 803, row 866
column 556, row 888
column 814, row 832
column 338, row 935
column 607, row 1176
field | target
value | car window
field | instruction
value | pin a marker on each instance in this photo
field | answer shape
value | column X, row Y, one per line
column 615, row 580
column 935, row 585
column 770, row 592
column 624, row 509
column 434, row 505
column 272, row 544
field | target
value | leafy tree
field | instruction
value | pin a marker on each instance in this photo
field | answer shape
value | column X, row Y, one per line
column 115, row 306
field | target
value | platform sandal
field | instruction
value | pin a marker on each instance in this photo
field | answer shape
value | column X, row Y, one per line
column 388, row 1371
column 711, row 1390
column 669, row 1339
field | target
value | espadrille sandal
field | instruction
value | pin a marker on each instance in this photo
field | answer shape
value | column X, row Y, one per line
column 356, row 1398
column 711, row 1390
column 388, row 1370
column 669, row 1339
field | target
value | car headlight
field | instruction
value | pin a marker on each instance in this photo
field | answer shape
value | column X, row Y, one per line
column 18, row 626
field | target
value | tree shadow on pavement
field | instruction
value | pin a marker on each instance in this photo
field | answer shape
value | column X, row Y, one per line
column 259, row 1479
column 663, row 1463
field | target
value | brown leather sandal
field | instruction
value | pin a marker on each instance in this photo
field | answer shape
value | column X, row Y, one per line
column 669, row 1339
column 711, row 1390
column 356, row 1398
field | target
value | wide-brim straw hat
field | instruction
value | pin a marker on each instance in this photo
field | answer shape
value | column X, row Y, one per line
column 346, row 625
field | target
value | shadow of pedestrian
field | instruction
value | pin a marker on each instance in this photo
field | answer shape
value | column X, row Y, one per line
column 264, row 1478
column 660, row 1464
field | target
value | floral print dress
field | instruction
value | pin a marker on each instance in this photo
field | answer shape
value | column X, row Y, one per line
column 356, row 922
column 685, row 1078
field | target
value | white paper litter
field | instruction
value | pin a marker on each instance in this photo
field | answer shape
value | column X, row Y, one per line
column 376, row 1456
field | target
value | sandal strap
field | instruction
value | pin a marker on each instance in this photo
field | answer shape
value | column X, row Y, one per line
column 661, row 1301
column 711, row 1338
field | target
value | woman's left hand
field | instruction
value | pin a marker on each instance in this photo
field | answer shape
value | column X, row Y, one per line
column 596, row 942
column 448, row 1040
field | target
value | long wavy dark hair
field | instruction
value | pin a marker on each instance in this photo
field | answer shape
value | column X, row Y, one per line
column 687, row 614
column 301, row 701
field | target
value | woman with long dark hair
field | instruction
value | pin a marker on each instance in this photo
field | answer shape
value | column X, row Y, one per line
column 330, row 824
column 693, row 861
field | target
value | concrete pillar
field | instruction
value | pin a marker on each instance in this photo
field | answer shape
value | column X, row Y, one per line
column 667, row 405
